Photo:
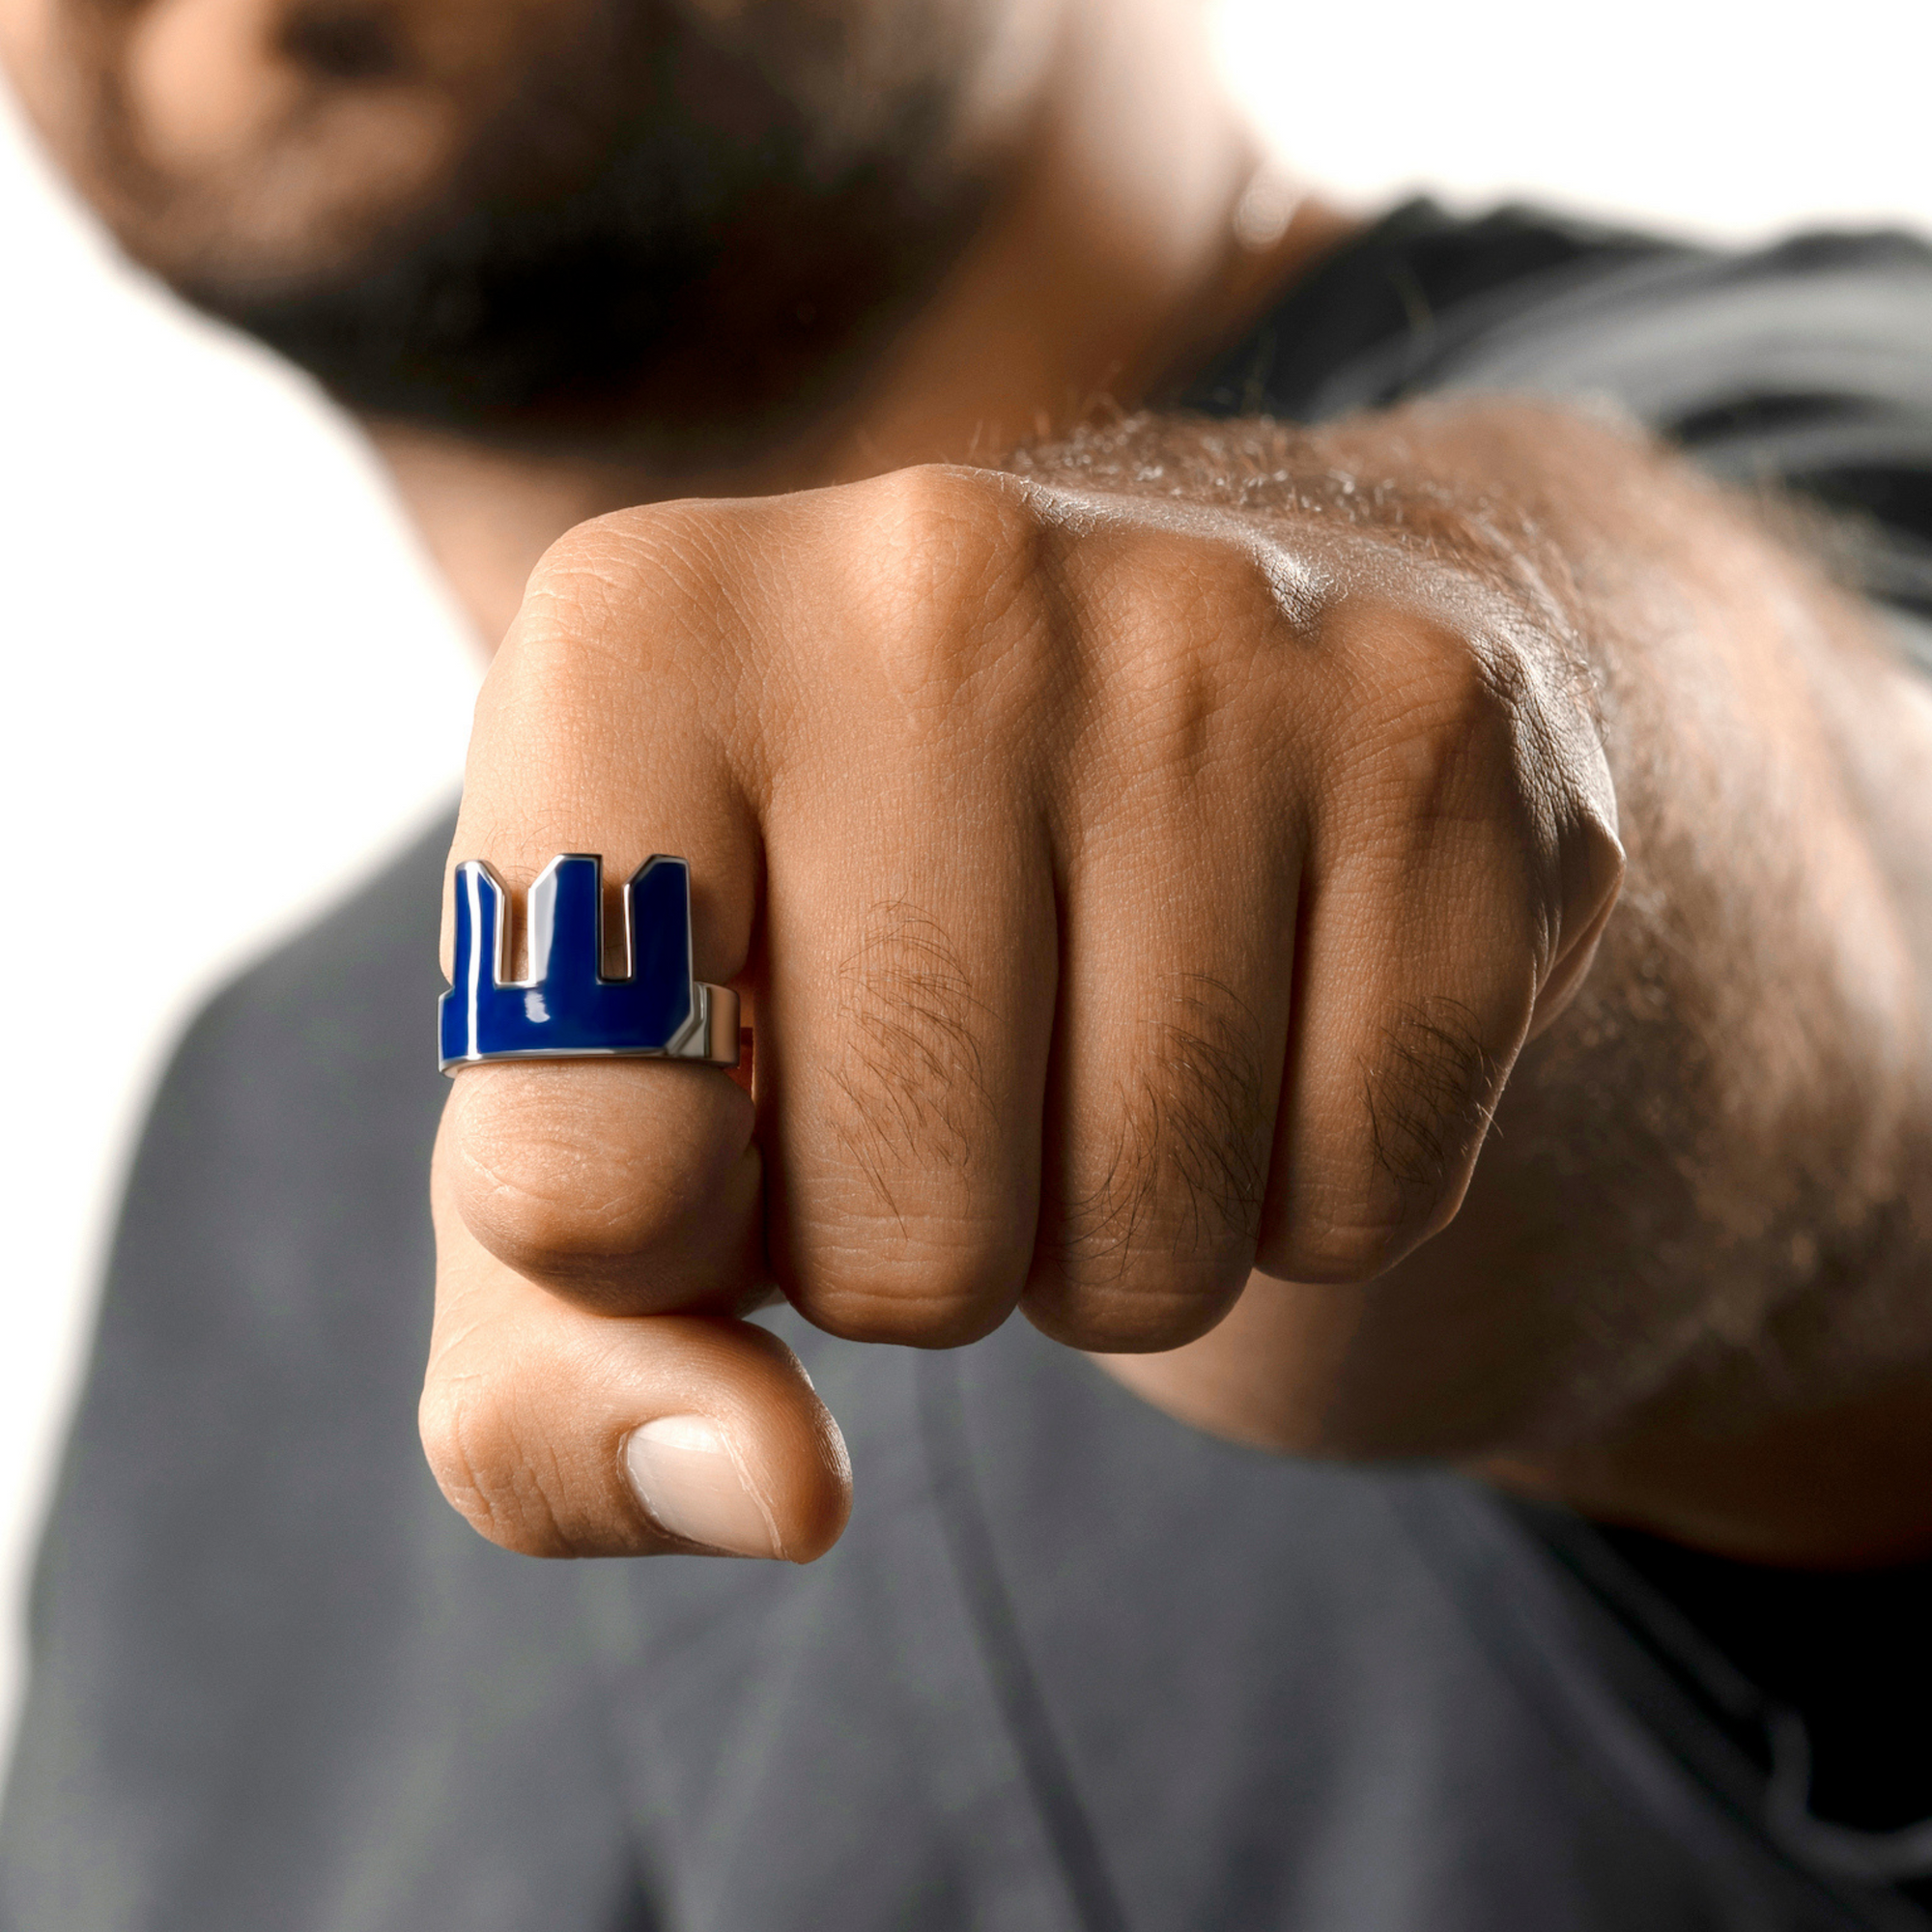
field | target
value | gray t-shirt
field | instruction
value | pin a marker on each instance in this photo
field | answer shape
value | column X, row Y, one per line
column 1073, row 1665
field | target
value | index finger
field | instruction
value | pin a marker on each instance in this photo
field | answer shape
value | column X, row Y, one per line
column 632, row 1185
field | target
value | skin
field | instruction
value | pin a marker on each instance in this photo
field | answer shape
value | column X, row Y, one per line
column 1405, row 941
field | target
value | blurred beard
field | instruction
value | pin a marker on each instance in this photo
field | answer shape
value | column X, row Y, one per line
column 658, row 247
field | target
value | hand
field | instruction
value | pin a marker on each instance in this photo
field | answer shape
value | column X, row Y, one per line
column 1128, row 896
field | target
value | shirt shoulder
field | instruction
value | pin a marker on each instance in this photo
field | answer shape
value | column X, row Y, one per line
column 1804, row 365
column 1386, row 293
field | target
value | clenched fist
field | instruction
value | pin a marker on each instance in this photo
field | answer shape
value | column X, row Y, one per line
column 1131, row 891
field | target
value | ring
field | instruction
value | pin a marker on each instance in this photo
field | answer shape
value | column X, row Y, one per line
column 566, row 1008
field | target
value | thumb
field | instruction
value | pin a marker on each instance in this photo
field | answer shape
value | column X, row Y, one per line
column 559, row 1432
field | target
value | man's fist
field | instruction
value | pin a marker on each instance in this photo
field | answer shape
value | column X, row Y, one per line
column 1127, row 895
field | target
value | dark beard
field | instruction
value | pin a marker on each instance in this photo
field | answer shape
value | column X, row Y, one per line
column 650, row 238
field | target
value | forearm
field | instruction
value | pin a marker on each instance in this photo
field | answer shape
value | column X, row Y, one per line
column 1701, row 1202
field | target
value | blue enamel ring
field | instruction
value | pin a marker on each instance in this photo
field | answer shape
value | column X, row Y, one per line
column 566, row 1008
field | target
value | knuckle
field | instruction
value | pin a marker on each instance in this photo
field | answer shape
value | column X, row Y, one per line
column 1146, row 1316
column 1446, row 708
column 1334, row 1250
column 1199, row 584
column 556, row 1186
column 938, row 1284
column 589, row 577
column 954, row 584
column 479, row 1463
column 623, row 551
column 633, row 587
column 1210, row 587
column 949, row 514
column 537, row 1204
column 1439, row 711
column 1184, row 628
column 586, row 558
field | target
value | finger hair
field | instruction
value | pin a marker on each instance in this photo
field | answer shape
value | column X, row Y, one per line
column 1429, row 1097
column 1187, row 1167
column 912, row 1078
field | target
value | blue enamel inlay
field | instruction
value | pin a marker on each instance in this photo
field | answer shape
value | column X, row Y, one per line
column 566, row 1006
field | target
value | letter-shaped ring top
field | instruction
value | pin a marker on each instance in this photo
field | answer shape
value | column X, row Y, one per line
column 566, row 1008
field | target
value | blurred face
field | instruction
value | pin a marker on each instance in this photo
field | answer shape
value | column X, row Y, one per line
column 521, row 214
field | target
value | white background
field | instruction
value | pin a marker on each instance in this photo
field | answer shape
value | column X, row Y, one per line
column 227, row 680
